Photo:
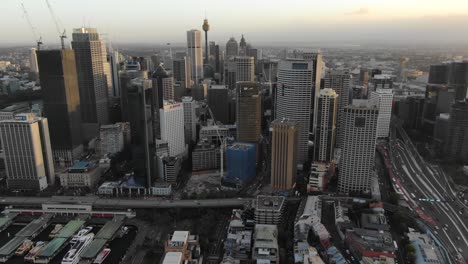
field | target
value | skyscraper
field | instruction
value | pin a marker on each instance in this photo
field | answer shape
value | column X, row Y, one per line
column 249, row 112
column 181, row 71
column 284, row 152
column 242, row 46
column 106, row 63
column 91, row 76
column 172, row 127
column 326, row 125
column 140, row 128
column 382, row 99
column 28, row 155
column 340, row 81
column 358, row 151
column 219, row 103
column 34, row 69
column 61, row 102
column 124, row 80
column 194, row 52
column 114, row 62
column 294, row 98
column 231, row 48
column 239, row 69
column 458, row 79
column 457, row 140
column 317, row 64
column 190, row 119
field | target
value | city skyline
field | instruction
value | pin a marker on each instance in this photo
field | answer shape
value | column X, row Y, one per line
column 359, row 22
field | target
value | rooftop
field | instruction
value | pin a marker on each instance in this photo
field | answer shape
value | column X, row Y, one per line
column 172, row 258
column 180, row 236
column 270, row 202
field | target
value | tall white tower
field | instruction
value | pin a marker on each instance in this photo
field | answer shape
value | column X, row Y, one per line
column 357, row 154
column 28, row 154
column 172, row 127
column 382, row 99
column 195, row 53
column 294, row 98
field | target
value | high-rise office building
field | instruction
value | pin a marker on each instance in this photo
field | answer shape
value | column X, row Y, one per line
column 294, row 97
column 458, row 79
column 139, row 114
column 114, row 61
column 219, row 103
column 34, row 69
column 317, row 65
column 172, row 127
column 340, row 81
column 239, row 69
column 438, row 97
column 249, row 112
column 284, row 153
column 457, row 140
column 28, row 155
column 231, row 48
column 61, row 103
column 124, row 80
column 358, row 151
column 326, row 125
column 190, row 119
column 106, row 63
column 382, row 99
column 182, row 72
column 91, row 76
column 194, row 52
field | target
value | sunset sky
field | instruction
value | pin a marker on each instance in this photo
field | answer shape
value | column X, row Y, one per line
column 155, row 21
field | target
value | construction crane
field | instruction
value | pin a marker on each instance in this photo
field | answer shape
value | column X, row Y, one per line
column 222, row 141
column 58, row 25
column 33, row 29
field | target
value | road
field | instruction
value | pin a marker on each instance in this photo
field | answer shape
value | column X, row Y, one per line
column 427, row 190
column 97, row 202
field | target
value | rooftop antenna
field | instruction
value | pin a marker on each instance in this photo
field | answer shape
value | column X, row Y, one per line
column 58, row 25
column 33, row 29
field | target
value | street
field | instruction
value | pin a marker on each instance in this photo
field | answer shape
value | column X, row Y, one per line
column 428, row 193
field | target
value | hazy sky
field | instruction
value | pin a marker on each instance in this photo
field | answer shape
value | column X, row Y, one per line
column 261, row 21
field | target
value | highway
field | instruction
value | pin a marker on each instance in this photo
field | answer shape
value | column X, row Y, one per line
column 439, row 208
column 97, row 202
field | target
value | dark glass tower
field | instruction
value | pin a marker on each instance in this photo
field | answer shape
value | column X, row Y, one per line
column 61, row 101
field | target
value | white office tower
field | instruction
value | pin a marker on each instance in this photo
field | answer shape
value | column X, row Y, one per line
column 294, row 98
column 326, row 125
column 340, row 81
column 195, row 53
column 190, row 119
column 107, row 69
column 172, row 127
column 33, row 60
column 27, row 151
column 357, row 154
column 382, row 99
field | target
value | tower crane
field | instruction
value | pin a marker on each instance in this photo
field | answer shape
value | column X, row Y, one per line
column 222, row 146
column 33, row 29
column 58, row 25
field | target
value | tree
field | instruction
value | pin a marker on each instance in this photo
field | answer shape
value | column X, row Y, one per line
column 393, row 198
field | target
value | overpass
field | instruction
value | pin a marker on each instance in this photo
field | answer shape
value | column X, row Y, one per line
column 104, row 203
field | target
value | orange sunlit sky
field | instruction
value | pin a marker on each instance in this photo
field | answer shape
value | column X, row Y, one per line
column 155, row 21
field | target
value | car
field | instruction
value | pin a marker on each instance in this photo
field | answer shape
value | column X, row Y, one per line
column 458, row 238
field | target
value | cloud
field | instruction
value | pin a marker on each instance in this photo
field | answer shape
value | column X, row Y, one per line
column 359, row 12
